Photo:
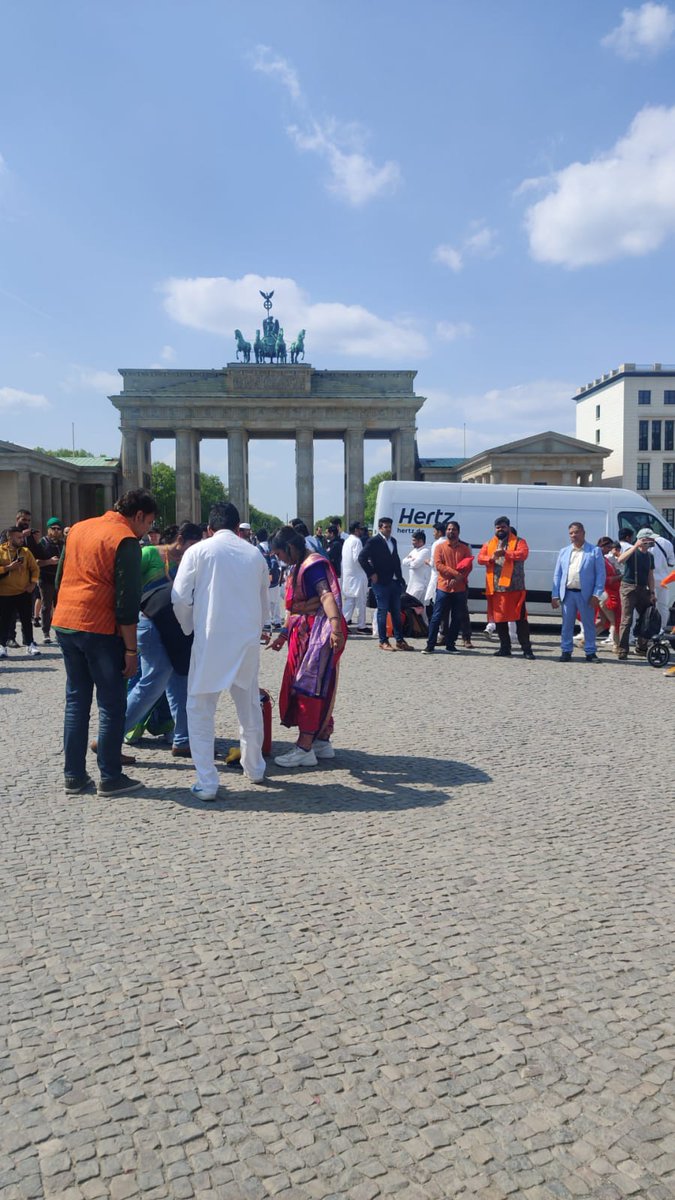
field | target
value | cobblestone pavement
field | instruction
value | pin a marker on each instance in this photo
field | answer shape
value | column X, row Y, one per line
column 440, row 966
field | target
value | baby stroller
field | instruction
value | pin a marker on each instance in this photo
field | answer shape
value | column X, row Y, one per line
column 660, row 641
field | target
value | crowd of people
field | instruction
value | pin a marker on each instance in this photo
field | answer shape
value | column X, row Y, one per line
column 139, row 616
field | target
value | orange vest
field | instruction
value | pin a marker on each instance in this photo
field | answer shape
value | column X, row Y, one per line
column 86, row 599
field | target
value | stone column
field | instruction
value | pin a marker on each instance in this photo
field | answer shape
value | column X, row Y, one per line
column 304, row 476
column 74, row 503
column 196, row 483
column 407, row 455
column 184, row 476
column 130, row 463
column 237, row 470
column 65, row 502
column 46, row 489
column 568, row 479
column 108, row 498
column 36, row 501
column 354, row 488
column 395, row 440
column 23, row 490
column 56, row 499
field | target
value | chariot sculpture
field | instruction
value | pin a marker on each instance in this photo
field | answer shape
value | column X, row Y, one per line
column 271, row 345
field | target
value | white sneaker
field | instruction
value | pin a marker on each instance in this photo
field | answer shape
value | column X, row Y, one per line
column 578, row 639
column 297, row 758
column 3, row 652
column 201, row 793
column 323, row 749
column 33, row 651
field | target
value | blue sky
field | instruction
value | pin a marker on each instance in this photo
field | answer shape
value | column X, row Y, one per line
column 482, row 190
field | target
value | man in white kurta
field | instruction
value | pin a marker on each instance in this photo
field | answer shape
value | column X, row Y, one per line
column 353, row 581
column 418, row 563
column 221, row 594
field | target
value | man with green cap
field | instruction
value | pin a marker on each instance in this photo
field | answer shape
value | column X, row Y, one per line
column 52, row 547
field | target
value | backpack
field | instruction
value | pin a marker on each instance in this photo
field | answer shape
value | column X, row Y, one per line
column 648, row 625
column 273, row 567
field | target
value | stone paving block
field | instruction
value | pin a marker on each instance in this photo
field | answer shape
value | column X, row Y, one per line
column 438, row 976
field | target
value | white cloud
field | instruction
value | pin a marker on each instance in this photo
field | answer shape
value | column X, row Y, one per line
column 620, row 204
column 493, row 417
column 479, row 242
column 92, row 379
column 265, row 60
column 449, row 331
column 168, row 354
column 354, row 176
column 643, row 33
column 221, row 305
column 448, row 256
column 15, row 398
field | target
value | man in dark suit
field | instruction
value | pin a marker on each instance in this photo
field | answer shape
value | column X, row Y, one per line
column 381, row 563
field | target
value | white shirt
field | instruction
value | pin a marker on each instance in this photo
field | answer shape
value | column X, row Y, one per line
column 221, row 594
column 433, row 578
column 390, row 544
column 573, row 577
column 353, row 579
column 419, row 565
column 664, row 558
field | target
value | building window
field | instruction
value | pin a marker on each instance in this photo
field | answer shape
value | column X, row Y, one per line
column 643, row 435
column 668, row 428
column 656, row 435
column 669, row 514
column 597, row 437
column 644, row 397
column 669, row 397
column 597, row 412
column 668, row 477
column 643, row 477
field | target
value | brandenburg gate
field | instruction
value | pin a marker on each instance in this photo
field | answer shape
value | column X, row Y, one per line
column 258, row 399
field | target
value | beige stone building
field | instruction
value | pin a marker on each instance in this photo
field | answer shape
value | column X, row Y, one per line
column 69, row 488
column 545, row 458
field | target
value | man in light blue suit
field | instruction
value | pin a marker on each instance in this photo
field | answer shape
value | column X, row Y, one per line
column 578, row 582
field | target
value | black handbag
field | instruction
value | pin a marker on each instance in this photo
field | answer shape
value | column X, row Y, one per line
column 157, row 607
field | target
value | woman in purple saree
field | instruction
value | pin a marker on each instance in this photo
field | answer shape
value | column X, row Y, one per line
column 316, row 633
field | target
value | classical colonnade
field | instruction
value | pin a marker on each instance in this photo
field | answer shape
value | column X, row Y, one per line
column 242, row 402
column 52, row 487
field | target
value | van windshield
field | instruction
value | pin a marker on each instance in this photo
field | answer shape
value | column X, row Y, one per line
column 644, row 520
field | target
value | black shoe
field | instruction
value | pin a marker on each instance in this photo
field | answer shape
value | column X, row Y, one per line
column 592, row 658
column 12, row 644
column 428, row 650
column 528, row 654
column 74, row 787
column 566, row 656
column 450, row 649
column 118, row 787
column 502, row 654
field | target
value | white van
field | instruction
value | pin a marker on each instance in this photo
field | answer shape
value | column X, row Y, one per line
column 540, row 514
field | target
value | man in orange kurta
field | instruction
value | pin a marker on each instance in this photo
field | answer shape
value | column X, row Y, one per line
column 503, row 558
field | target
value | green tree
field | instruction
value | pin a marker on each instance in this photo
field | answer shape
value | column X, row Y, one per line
column 262, row 520
column 370, row 495
column 164, row 491
column 67, row 453
column 212, row 490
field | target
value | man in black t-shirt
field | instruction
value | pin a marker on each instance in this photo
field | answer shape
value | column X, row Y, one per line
column 637, row 588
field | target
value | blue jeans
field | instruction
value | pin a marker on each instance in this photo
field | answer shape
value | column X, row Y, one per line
column 388, row 597
column 453, row 603
column 570, row 605
column 157, row 676
column 93, row 660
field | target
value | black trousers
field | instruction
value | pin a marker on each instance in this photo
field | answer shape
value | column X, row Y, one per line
column 522, row 633
column 10, row 608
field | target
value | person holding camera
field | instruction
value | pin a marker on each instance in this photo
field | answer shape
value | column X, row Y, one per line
column 638, row 588
column 503, row 557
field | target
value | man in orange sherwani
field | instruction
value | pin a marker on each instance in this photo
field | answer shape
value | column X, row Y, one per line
column 503, row 558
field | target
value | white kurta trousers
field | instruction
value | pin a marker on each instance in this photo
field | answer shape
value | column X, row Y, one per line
column 355, row 601
column 201, row 715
